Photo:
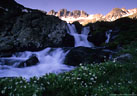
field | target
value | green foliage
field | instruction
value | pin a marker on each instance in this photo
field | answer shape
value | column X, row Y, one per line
column 128, row 30
column 19, row 87
column 86, row 80
column 126, row 34
column 101, row 26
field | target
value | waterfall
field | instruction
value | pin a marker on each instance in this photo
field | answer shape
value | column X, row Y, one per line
column 80, row 39
column 108, row 34
column 50, row 59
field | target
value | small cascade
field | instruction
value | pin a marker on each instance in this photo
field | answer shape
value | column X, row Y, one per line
column 108, row 35
column 50, row 61
column 80, row 39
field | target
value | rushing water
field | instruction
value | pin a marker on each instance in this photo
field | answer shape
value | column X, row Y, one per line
column 50, row 59
column 108, row 34
column 80, row 39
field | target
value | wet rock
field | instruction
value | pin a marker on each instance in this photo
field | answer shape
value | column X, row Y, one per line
column 78, row 26
column 31, row 30
column 33, row 60
column 68, row 41
column 86, row 55
column 98, row 38
column 38, row 31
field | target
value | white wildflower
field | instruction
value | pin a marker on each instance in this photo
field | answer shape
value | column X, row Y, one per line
column 21, row 82
column 5, row 88
column 3, row 91
column 95, row 77
column 48, row 83
column 24, row 86
column 16, row 83
column 107, row 82
column 34, row 94
column 92, row 79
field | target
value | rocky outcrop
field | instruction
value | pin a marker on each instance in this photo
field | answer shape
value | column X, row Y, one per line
column 39, row 31
column 86, row 55
column 115, row 14
column 78, row 26
column 26, row 29
column 52, row 12
column 134, row 16
column 65, row 13
column 132, row 11
column 78, row 13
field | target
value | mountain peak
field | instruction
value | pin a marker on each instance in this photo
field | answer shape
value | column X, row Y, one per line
column 52, row 12
column 65, row 13
column 116, row 13
column 118, row 10
column 83, row 17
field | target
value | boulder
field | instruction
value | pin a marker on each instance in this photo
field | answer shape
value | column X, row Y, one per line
column 33, row 60
column 86, row 55
column 68, row 41
column 35, row 31
column 78, row 26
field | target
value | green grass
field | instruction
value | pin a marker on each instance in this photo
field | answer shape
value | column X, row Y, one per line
column 105, row 79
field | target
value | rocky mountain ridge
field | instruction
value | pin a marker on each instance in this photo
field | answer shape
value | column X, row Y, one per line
column 83, row 17
column 65, row 13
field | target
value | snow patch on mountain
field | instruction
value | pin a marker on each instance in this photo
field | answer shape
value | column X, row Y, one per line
column 72, row 19
column 82, row 17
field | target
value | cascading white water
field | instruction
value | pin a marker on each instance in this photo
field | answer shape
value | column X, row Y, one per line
column 108, row 34
column 50, row 61
column 80, row 39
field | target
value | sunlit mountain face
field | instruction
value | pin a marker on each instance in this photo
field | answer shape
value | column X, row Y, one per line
column 84, row 18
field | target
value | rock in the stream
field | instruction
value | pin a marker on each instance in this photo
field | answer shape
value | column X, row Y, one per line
column 85, row 55
column 33, row 60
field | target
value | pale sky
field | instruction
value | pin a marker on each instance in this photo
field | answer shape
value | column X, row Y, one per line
column 90, row 6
